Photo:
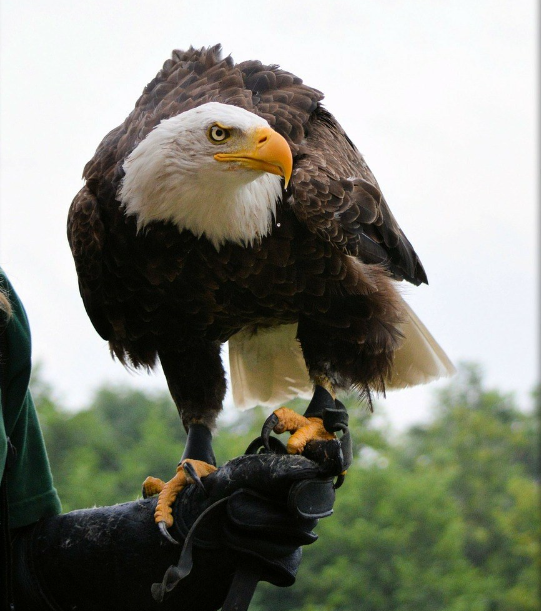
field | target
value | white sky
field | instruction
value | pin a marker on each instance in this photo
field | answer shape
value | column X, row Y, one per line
column 439, row 96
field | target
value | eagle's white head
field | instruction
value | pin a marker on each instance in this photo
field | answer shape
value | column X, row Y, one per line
column 214, row 170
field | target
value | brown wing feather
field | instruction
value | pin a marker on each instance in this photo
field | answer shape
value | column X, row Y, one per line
column 336, row 195
column 86, row 237
column 281, row 98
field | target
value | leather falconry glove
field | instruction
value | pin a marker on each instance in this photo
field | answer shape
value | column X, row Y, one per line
column 241, row 524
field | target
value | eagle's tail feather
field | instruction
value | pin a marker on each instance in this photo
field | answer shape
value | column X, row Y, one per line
column 268, row 368
column 420, row 359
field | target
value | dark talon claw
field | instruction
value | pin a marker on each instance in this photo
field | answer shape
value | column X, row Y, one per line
column 268, row 426
column 189, row 469
column 144, row 492
column 163, row 529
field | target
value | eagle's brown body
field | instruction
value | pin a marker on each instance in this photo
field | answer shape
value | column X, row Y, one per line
column 329, row 262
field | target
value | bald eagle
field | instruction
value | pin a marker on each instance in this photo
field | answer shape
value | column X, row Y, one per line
column 231, row 206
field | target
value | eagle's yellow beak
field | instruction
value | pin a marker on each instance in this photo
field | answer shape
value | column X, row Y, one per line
column 266, row 150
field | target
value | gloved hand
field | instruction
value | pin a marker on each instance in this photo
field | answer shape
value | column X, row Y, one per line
column 254, row 512
column 261, row 507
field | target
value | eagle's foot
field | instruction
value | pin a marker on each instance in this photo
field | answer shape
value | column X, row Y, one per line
column 302, row 429
column 188, row 472
column 152, row 486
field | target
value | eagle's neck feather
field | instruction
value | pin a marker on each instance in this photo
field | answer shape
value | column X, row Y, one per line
column 242, row 215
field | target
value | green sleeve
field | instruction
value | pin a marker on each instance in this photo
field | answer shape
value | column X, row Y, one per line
column 31, row 494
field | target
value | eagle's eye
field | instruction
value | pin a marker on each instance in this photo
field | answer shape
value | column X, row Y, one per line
column 218, row 134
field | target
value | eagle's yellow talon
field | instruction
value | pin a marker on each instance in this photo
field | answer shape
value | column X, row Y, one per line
column 313, row 430
column 303, row 429
column 288, row 420
column 168, row 491
column 152, row 486
column 167, row 497
column 201, row 468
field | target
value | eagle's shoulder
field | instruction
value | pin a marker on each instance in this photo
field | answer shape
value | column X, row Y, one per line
column 281, row 98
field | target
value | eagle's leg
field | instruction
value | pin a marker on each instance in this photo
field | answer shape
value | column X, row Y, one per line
column 305, row 428
column 196, row 380
column 199, row 443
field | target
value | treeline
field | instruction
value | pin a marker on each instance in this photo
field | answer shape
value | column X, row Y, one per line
column 443, row 518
